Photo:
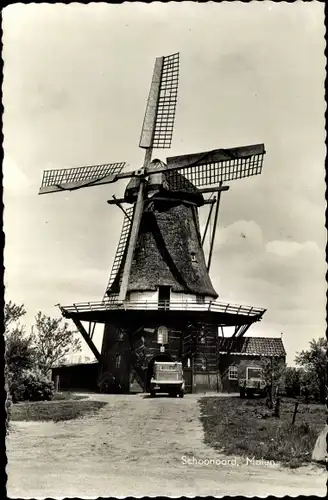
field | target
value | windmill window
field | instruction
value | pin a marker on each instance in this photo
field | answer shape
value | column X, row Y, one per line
column 193, row 257
column 233, row 373
column 118, row 360
column 200, row 299
column 162, row 335
column 164, row 293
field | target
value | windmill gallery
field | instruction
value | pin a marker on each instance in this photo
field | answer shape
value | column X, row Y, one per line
column 160, row 303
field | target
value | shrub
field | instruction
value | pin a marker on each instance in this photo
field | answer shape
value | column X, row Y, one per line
column 8, row 405
column 31, row 385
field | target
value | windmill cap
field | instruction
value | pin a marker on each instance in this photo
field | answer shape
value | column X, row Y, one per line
column 157, row 164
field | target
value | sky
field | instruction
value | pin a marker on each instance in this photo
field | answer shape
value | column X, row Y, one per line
column 76, row 81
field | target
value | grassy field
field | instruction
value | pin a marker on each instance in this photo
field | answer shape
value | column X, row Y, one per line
column 246, row 427
column 56, row 410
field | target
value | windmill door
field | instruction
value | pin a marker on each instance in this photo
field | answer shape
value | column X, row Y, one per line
column 164, row 297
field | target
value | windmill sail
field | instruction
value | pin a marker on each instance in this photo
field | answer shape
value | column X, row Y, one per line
column 75, row 178
column 219, row 165
column 117, row 271
column 157, row 129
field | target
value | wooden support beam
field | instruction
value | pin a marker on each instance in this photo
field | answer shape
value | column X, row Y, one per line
column 86, row 337
column 214, row 229
column 213, row 189
column 134, row 230
column 118, row 203
column 207, row 223
column 92, row 327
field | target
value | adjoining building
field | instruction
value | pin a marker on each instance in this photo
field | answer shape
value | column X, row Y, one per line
column 246, row 353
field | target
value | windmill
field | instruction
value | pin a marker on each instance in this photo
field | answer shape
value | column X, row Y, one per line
column 160, row 280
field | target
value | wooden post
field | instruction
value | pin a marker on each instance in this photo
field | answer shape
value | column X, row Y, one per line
column 57, row 383
column 295, row 411
column 214, row 228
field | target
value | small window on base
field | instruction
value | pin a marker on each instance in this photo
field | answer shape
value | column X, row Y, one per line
column 193, row 257
column 233, row 373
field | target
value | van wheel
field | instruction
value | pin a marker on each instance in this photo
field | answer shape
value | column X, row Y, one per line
column 152, row 394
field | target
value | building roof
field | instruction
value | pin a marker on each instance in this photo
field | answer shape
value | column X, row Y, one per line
column 253, row 346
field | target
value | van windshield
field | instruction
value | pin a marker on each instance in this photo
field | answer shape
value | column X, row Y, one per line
column 254, row 373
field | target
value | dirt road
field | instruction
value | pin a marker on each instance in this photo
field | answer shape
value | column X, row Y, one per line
column 138, row 446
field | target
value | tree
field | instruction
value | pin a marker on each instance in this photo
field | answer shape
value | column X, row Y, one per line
column 293, row 381
column 12, row 314
column 19, row 352
column 314, row 361
column 52, row 340
column 273, row 372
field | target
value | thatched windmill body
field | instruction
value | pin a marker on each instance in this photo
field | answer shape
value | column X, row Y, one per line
column 159, row 301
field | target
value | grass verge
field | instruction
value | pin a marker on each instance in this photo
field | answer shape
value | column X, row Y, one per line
column 65, row 396
column 246, row 428
column 54, row 410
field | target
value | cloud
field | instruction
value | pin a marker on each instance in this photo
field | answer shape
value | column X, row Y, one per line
column 285, row 277
column 242, row 234
column 291, row 248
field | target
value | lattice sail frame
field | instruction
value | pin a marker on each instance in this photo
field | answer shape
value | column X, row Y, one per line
column 157, row 129
column 74, row 178
column 167, row 102
column 213, row 167
column 120, row 250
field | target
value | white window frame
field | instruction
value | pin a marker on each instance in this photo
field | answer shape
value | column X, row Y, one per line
column 233, row 372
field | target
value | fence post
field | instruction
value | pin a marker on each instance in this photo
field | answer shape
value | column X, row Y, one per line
column 295, row 411
column 57, row 383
